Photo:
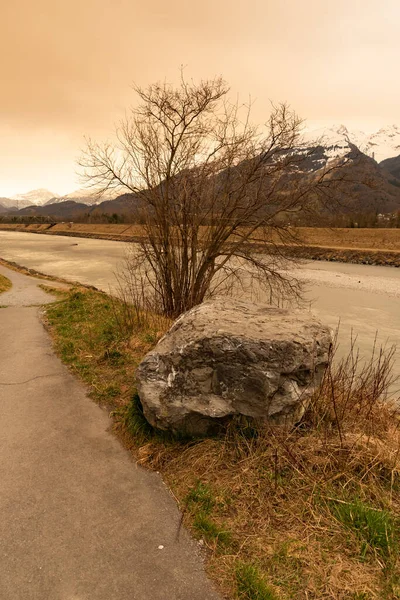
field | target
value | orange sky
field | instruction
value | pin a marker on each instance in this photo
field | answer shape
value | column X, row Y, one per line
column 67, row 67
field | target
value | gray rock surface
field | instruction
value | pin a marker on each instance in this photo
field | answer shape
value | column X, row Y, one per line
column 228, row 357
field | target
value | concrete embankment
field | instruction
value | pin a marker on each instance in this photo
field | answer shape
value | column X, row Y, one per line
column 348, row 255
column 357, row 246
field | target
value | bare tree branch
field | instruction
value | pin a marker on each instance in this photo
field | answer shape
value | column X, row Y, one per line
column 210, row 185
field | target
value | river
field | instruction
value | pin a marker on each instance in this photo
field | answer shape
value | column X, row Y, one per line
column 364, row 299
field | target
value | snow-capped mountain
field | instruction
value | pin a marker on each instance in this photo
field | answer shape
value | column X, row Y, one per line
column 37, row 197
column 383, row 144
column 327, row 146
column 84, row 196
column 380, row 145
column 43, row 197
column 13, row 204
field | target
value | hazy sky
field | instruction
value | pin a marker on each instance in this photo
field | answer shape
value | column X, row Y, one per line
column 67, row 67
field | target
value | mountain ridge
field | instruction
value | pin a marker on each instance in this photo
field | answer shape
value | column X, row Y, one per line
column 380, row 145
column 328, row 145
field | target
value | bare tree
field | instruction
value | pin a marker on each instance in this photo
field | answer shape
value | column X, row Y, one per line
column 209, row 186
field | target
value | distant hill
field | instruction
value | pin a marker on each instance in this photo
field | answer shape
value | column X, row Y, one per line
column 7, row 203
column 371, row 187
column 392, row 166
column 58, row 210
column 83, row 196
column 35, row 197
column 43, row 197
column 3, row 209
column 126, row 204
column 14, row 204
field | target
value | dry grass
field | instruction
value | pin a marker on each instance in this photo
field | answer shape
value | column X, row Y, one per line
column 5, row 284
column 271, row 495
column 304, row 514
column 275, row 495
column 360, row 239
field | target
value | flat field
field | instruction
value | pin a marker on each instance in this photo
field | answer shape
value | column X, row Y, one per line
column 362, row 239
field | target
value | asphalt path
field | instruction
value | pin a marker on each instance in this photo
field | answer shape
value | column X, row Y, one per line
column 79, row 520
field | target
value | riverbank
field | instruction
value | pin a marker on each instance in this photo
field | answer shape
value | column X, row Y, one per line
column 379, row 247
column 266, row 508
column 365, row 299
column 355, row 256
column 281, row 514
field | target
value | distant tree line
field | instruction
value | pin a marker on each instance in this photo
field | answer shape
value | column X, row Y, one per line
column 101, row 218
column 27, row 219
column 359, row 220
column 356, row 220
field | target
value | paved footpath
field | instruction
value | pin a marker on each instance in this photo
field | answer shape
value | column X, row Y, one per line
column 79, row 520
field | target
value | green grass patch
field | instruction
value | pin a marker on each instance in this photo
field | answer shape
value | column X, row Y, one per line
column 286, row 570
column 131, row 417
column 58, row 292
column 87, row 337
column 201, row 498
column 201, row 504
column 376, row 529
column 251, row 585
column 5, row 284
column 211, row 531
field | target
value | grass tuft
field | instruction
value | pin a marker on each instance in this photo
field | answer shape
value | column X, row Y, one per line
column 59, row 292
column 5, row 284
column 201, row 497
column 88, row 338
column 132, row 417
column 211, row 531
column 251, row 585
column 375, row 528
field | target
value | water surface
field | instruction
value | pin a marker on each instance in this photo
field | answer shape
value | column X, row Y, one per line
column 364, row 299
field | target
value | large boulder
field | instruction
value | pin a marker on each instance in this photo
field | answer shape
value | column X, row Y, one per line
column 227, row 357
